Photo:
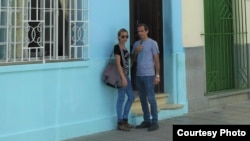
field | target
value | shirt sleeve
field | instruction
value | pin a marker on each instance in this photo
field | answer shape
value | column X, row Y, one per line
column 155, row 48
column 117, row 50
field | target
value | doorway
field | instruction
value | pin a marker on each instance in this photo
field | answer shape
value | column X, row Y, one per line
column 150, row 13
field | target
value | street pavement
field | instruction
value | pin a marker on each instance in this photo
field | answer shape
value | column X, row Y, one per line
column 231, row 114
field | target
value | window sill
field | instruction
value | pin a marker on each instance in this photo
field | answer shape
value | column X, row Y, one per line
column 36, row 66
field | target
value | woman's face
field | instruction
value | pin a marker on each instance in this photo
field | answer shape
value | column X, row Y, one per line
column 123, row 37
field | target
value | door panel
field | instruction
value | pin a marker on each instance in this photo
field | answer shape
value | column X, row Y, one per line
column 150, row 13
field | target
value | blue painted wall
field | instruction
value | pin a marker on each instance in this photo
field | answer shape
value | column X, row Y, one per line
column 56, row 101
column 174, row 53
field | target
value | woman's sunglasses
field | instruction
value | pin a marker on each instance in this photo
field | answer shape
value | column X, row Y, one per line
column 124, row 37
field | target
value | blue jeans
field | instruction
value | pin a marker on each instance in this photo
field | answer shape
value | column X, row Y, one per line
column 145, row 88
column 122, row 112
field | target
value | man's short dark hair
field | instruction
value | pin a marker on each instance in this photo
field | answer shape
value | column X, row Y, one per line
column 144, row 25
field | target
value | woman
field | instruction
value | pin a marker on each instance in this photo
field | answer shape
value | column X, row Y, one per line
column 126, row 89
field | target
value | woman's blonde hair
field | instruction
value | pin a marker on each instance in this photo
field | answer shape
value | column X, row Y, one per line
column 121, row 30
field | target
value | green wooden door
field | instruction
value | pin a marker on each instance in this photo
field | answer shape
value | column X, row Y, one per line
column 225, row 45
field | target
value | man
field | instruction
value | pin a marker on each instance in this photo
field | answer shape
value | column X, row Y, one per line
column 146, row 52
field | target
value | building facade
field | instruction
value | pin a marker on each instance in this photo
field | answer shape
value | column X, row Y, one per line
column 217, row 51
column 53, row 53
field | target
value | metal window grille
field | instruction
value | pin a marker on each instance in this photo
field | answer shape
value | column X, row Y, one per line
column 43, row 30
column 227, row 52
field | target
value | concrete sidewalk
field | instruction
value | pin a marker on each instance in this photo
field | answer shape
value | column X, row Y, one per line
column 228, row 114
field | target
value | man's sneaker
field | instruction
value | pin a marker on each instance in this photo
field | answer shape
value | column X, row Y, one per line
column 144, row 124
column 153, row 127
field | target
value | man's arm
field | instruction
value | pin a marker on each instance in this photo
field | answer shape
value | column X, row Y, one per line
column 157, row 69
column 135, row 52
column 157, row 64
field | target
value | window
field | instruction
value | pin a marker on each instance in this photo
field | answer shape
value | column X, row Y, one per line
column 43, row 30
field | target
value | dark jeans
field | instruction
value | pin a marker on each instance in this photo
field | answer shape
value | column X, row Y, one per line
column 145, row 87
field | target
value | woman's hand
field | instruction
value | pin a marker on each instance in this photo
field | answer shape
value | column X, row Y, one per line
column 124, row 82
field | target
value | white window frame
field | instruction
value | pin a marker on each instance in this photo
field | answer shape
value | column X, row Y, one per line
column 41, row 31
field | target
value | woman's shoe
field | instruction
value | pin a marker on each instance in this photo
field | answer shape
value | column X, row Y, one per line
column 121, row 126
column 128, row 125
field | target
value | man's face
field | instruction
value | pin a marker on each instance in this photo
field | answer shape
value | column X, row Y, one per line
column 142, row 33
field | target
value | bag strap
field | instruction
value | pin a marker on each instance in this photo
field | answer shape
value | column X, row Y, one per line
column 123, row 58
column 111, row 54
